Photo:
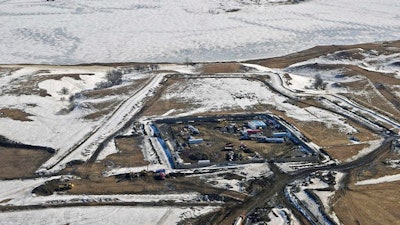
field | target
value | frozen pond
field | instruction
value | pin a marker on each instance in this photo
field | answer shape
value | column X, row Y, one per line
column 68, row 32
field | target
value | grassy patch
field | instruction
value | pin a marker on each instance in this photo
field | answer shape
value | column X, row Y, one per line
column 20, row 163
column 370, row 204
column 332, row 139
column 221, row 68
column 130, row 154
column 15, row 114
column 344, row 152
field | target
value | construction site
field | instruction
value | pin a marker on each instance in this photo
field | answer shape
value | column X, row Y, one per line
column 191, row 142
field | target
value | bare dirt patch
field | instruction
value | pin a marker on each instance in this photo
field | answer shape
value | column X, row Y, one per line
column 8, row 70
column 20, row 163
column 130, row 154
column 15, row 114
column 145, row 183
column 378, row 167
column 370, row 204
column 221, row 68
column 335, row 142
column 75, row 76
column 26, row 87
column 345, row 151
column 318, row 132
column 375, row 77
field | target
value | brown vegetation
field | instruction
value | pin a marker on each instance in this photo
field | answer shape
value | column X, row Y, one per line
column 130, row 154
column 15, row 114
column 221, row 68
column 8, row 70
column 343, row 152
column 370, row 204
column 285, row 61
column 335, row 142
column 19, row 163
column 365, row 94
column 374, row 77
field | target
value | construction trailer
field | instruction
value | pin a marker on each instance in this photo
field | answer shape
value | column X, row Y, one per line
column 270, row 140
column 252, row 131
column 194, row 141
column 256, row 124
column 280, row 134
column 193, row 129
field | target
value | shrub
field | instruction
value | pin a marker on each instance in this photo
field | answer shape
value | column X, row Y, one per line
column 114, row 77
column 64, row 91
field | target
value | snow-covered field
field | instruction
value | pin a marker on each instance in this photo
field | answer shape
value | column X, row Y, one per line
column 218, row 94
column 48, row 127
column 247, row 171
column 67, row 32
column 214, row 94
column 104, row 215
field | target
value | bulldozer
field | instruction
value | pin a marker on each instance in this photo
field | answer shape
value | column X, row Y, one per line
column 64, row 187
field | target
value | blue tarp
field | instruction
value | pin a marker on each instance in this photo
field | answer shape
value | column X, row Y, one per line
column 167, row 152
column 163, row 145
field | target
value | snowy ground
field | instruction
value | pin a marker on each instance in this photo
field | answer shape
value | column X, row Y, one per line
column 19, row 193
column 389, row 178
column 372, row 146
column 247, row 171
column 104, row 215
column 48, row 126
column 282, row 216
column 214, row 94
column 66, row 32
column 315, row 185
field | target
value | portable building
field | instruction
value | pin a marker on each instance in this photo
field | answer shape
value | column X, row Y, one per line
column 270, row 140
column 252, row 131
column 203, row 162
column 256, row 124
column 194, row 141
column 193, row 129
column 279, row 134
